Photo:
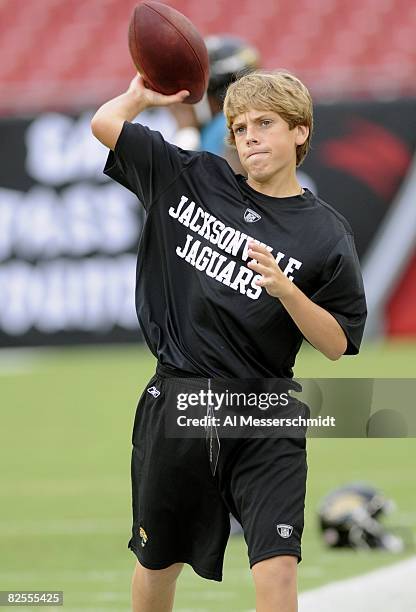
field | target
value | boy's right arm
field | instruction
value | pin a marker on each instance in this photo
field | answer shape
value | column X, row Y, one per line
column 107, row 123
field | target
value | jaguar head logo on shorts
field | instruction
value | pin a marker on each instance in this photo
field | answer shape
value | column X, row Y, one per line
column 250, row 216
column 143, row 536
column 285, row 531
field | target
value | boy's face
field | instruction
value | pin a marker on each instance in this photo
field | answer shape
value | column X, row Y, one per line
column 265, row 144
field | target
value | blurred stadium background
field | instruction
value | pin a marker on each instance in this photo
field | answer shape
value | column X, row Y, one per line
column 68, row 238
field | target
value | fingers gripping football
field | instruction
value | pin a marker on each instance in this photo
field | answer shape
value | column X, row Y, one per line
column 153, row 98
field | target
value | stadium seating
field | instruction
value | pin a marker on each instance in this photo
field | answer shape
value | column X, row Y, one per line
column 73, row 53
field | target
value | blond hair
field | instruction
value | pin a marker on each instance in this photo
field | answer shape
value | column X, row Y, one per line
column 280, row 92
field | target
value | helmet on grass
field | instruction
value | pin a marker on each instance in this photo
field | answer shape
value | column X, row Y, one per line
column 350, row 517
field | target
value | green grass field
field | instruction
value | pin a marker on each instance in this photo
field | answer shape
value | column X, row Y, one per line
column 66, row 421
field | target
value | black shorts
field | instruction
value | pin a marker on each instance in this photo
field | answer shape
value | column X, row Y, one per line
column 181, row 510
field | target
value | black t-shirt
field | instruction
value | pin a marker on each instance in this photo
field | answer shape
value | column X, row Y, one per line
column 197, row 303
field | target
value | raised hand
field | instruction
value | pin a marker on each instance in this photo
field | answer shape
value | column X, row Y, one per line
column 153, row 98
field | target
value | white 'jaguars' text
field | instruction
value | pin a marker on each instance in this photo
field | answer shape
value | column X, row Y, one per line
column 227, row 239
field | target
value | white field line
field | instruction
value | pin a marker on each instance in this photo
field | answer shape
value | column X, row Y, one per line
column 390, row 589
column 15, row 368
column 63, row 574
column 16, row 361
column 22, row 360
column 63, row 527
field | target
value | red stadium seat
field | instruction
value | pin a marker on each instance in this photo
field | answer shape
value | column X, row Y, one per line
column 338, row 47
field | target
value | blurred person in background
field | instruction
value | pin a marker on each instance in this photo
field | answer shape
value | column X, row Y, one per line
column 203, row 126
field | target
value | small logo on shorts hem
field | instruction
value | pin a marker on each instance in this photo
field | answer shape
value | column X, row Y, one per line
column 153, row 391
column 143, row 537
column 250, row 216
column 285, row 531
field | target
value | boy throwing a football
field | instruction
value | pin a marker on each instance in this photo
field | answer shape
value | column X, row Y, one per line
column 232, row 275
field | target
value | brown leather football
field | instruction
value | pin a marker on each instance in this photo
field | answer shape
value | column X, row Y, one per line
column 168, row 51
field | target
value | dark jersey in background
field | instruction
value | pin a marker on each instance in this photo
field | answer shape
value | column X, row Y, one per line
column 197, row 302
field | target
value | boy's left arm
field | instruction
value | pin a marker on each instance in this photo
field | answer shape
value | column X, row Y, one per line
column 317, row 325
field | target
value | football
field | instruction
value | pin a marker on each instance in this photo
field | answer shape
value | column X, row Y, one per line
column 168, row 51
